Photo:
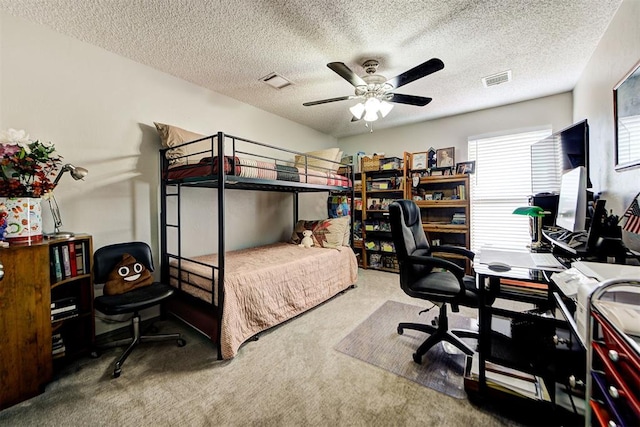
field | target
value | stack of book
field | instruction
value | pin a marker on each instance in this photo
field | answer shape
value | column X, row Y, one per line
column 459, row 218
column 508, row 380
column 63, row 308
column 58, row 348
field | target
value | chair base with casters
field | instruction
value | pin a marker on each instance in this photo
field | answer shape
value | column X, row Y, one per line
column 133, row 302
column 439, row 332
column 432, row 278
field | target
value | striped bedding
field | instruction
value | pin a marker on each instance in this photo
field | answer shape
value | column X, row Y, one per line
column 250, row 168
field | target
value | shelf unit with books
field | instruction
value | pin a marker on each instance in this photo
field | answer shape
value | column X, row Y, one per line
column 379, row 189
column 72, row 321
column 35, row 345
column 445, row 209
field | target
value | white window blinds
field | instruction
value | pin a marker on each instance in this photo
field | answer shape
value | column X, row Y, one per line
column 501, row 183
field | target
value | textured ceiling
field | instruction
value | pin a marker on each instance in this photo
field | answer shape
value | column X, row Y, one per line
column 227, row 46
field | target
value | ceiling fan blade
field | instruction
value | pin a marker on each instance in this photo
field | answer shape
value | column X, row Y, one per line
column 419, row 101
column 345, row 72
column 424, row 69
column 324, row 101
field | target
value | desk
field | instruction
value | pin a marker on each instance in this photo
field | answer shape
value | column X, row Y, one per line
column 536, row 289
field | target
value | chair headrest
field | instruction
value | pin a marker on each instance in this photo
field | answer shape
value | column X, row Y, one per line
column 410, row 212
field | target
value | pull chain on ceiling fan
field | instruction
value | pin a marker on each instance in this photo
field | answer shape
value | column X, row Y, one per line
column 375, row 91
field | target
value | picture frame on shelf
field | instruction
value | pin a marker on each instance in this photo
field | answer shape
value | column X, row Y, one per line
column 445, row 157
column 419, row 161
column 465, row 167
column 438, row 195
column 431, row 161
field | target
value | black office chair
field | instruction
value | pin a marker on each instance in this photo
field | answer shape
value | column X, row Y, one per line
column 104, row 261
column 427, row 277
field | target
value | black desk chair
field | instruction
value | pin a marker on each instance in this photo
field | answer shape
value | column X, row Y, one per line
column 104, row 261
column 430, row 278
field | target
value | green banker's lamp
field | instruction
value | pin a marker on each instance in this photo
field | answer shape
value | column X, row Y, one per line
column 534, row 212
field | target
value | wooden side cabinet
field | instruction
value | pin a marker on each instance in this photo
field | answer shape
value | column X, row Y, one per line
column 27, row 290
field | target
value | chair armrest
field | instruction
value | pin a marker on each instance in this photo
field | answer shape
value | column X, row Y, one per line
column 439, row 263
column 458, row 250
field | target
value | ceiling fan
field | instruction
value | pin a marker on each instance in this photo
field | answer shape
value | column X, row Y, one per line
column 375, row 91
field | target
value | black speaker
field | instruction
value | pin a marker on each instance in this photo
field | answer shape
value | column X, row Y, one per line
column 548, row 202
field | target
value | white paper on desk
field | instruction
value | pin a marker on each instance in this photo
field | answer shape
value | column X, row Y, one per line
column 512, row 258
column 603, row 271
column 570, row 280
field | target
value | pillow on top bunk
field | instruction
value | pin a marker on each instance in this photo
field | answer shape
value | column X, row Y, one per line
column 327, row 233
column 173, row 136
column 331, row 154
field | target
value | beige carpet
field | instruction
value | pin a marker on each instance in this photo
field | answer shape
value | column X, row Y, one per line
column 376, row 341
column 291, row 376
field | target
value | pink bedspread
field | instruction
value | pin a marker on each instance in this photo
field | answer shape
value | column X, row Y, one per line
column 268, row 285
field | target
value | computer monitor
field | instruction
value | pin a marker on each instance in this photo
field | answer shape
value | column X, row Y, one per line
column 572, row 204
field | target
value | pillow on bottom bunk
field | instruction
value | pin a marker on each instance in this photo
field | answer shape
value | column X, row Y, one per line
column 327, row 233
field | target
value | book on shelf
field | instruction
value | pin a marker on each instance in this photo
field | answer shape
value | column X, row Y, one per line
column 59, row 351
column 63, row 302
column 79, row 258
column 72, row 259
column 66, row 263
column 57, row 263
column 64, row 315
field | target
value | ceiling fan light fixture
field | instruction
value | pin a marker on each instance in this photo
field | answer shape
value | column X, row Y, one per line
column 371, row 115
column 385, row 108
column 357, row 110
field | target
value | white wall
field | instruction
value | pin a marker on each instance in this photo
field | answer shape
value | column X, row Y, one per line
column 617, row 52
column 454, row 131
column 98, row 108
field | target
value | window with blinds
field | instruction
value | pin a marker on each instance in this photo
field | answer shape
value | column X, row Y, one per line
column 503, row 181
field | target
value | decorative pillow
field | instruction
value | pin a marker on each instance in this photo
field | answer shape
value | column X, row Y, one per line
column 126, row 276
column 331, row 154
column 173, row 136
column 327, row 233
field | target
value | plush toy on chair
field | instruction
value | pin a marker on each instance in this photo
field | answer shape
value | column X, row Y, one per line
column 307, row 241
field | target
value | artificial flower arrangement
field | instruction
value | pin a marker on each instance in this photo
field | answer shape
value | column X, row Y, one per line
column 27, row 168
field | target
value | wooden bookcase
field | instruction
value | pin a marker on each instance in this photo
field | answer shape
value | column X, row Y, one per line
column 27, row 290
column 444, row 205
column 379, row 189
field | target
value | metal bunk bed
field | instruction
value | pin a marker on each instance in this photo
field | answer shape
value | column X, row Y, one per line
column 206, row 317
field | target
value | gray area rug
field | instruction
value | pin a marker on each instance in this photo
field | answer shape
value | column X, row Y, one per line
column 376, row 341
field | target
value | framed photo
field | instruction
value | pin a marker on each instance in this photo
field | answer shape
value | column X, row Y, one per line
column 626, row 112
column 431, row 161
column 445, row 157
column 419, row 161
column 465, row 167
column 438, row 195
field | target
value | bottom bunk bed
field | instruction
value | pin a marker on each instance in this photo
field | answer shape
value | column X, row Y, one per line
column 263, row 287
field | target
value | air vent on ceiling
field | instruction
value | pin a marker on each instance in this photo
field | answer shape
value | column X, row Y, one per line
column 275, row 80
column 496, row 79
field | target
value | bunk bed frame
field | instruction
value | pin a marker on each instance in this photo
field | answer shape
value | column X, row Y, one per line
column 206, row 317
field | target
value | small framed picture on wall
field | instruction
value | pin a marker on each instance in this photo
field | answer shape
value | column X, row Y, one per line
column 465, row 167
column 445, row 157
column 418, row 161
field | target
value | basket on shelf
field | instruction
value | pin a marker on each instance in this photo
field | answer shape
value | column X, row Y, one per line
column 370, row 164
